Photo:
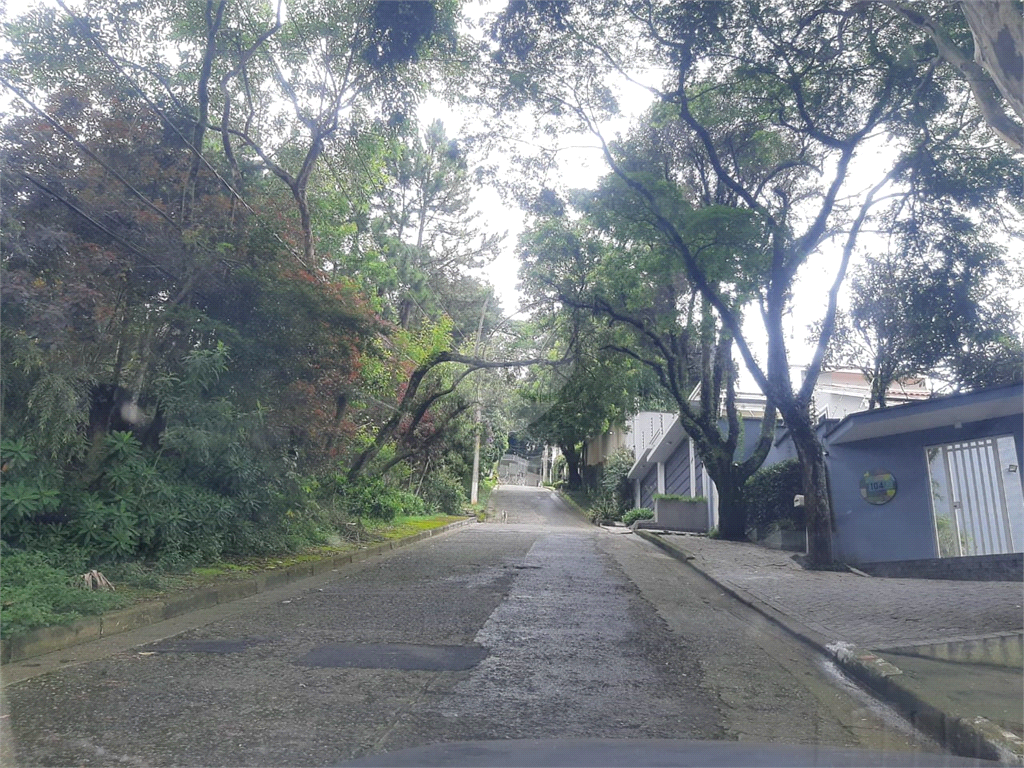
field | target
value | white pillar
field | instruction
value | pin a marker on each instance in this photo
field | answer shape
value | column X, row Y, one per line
column 693, row 469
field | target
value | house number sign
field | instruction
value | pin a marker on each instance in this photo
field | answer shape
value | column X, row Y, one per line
column 877, row 486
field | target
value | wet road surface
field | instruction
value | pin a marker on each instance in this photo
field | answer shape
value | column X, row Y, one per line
column 532, row 625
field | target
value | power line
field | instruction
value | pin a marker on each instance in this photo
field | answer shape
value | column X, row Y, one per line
column 93, row 39
column 149, row 203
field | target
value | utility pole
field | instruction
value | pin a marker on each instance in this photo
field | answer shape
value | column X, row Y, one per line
column 474, row 494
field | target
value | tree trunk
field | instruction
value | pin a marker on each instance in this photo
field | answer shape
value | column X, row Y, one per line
column 572, row 462
column 405, row 313
column 732, row 504
column 817, row 504
column 999, row 46
column 306, row 222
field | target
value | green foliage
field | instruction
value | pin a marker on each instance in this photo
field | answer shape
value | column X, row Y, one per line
column 601, row 508
column 640, row 513
column 371, row 497
column 204, row 495
column 558, row 469
column 946, row 535
column 769, row 494
column 677, row 497
column 938, row 307
column 615, row 489
column 37, row 594
column 443, row 493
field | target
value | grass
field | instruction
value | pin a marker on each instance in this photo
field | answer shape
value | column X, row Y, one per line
column 372, row 532
column 580, row 496
column 36, row 594
column 407, row 525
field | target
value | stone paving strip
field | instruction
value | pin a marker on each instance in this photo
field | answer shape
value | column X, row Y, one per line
column 844, row 615
column 49, row 639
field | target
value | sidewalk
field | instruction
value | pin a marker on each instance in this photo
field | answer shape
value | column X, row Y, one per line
column 871, row 626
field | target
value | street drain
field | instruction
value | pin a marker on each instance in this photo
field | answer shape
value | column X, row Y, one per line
column 433, row 658
column 203, row 646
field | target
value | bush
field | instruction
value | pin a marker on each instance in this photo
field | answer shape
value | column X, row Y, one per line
column 371, row 497
column 615, row 486
column 443, row 493
column 602, row 507
column 36, row 594
column 770, row 493
column 558, row 469
column 641, row 513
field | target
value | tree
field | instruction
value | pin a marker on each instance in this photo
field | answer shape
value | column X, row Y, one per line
column 567, row 407
column 166, row 335
column 910, row 319
column 995, row 72
column 613, row 264
column 813, row 83
column 427, row 229
column 330, row 63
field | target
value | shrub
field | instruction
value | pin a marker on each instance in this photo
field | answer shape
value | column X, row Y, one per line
column 558, row 469
column 443, row 493
column 36, row 594
column 615, row 485
column 371, row 497
column 770, row 493
column 640, row 513
column 603, row 507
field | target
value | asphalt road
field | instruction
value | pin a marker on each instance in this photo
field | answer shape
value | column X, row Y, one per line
column 532, row 625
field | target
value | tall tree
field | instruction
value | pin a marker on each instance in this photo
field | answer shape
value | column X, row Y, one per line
column 947, row 320
column 815, row 81
column 567, row 406
column 994, row 70
column 612, row 263
column 427, row 227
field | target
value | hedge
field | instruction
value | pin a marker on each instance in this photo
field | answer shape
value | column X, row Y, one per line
column 769, row 493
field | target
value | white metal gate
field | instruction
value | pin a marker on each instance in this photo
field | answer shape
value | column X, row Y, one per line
column 977, row 500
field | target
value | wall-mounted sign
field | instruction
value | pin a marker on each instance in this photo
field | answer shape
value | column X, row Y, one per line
column 877, row 486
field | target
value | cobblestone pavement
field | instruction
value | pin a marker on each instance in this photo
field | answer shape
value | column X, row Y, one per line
column 866, row 611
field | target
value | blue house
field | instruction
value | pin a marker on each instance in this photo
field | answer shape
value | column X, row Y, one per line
column 931, row 479
column 666, row 461
column 925, row 479
column 669, row 464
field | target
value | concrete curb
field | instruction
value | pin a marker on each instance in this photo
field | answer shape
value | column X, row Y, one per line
column 1003, row 649
column 968, row 737
column 49, row 639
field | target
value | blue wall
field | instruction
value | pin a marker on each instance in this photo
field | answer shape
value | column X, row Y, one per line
column 677, row 470
column 748, row 437
column 649, row 487
column 903, row 528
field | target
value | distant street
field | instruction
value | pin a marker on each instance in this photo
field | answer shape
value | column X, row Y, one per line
column 532, row 625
